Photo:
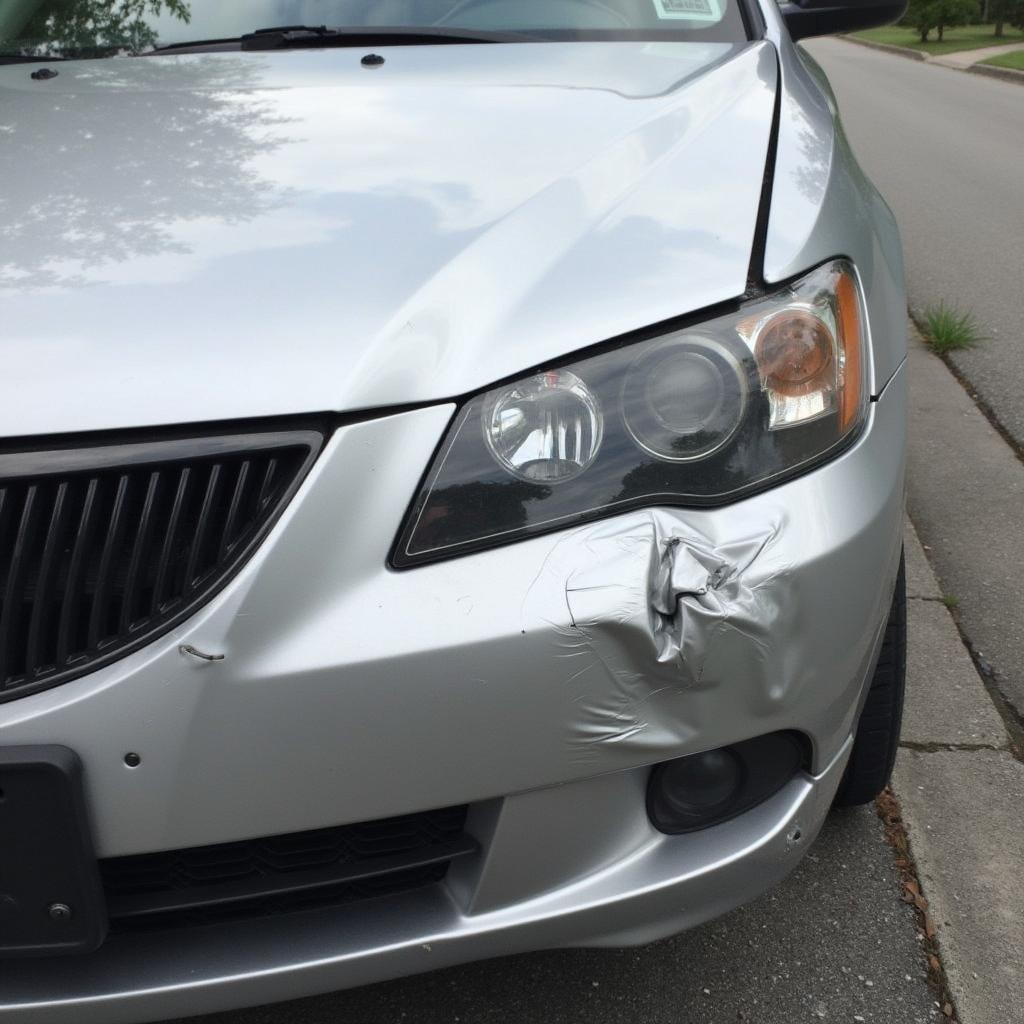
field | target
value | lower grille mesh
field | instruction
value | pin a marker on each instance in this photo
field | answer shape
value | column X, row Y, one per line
column 278, row 874
column 102, row 549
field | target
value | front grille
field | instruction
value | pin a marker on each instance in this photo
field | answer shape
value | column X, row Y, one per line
column 102, row 549
column 279, row 874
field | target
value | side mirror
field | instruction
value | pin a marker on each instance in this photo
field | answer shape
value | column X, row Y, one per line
column 824, row 17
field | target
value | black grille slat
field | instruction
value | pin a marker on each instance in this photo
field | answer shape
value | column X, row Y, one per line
column 142, row 533
column 267, row 484
column 12, row 613
column 163, row 574
column 42, row 602
column 103, row 549
column 71, row 612
column 234, row 509
column 196, row 564
column 281, row 873
column 99, row 615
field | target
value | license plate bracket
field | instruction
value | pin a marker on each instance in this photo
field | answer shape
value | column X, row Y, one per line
column 51, row 900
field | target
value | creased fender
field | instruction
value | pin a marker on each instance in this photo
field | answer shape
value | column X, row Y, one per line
column 647, row 612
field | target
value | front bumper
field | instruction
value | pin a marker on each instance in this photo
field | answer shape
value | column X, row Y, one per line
column 535, row 683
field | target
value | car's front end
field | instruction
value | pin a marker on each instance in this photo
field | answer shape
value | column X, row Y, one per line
column 448, row 507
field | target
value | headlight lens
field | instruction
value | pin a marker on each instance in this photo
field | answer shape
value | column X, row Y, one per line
column 695, row 418
column 684, row 399
column 546, row 428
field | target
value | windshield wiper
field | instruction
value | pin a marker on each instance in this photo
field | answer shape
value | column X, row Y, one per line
column 290, row 36
column 286, row 37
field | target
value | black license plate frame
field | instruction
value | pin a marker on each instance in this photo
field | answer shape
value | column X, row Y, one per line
column 51, row 898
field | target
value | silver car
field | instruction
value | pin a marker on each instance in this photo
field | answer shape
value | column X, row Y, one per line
column 451, row 484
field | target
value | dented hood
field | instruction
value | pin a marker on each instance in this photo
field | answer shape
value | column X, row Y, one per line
column 233, row 235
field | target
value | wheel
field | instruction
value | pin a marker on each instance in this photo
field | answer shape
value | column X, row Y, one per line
column 878, row 731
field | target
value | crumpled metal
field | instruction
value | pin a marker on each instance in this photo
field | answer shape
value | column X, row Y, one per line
column 649, row 613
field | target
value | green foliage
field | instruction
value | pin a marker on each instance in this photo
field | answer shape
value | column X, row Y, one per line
column 1005, row 12
column 964, row 37
column 1008, row 60
column 1011, row 11
column 73, row 27
column 947, row 328
column 925, row 15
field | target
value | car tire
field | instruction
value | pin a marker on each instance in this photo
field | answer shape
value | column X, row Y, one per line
column 878, row 731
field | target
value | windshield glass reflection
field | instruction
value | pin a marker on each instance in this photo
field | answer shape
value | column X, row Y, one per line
column 84, row 28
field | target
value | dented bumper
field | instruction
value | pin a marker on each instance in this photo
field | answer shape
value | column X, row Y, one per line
column 535, row 683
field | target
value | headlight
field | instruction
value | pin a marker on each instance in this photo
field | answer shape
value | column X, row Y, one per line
column 546, row 428
column 697, row 417
column 684, row 399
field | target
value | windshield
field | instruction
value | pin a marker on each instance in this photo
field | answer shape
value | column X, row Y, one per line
column 90, row 28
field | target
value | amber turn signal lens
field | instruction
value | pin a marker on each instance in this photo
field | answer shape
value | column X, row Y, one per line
column 851, row 372
column 794, row 350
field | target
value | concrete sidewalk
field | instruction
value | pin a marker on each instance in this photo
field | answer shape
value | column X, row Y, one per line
column 961, row 790
column 959, row 776
column 962, row 59
column 965, row 493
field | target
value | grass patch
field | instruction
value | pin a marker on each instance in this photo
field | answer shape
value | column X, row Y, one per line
column 947, row 328
column 1008, row 60
column 951, row 602
column 966, row 37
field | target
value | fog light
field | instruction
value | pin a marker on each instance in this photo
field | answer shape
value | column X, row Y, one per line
column 705, row 789
column 693, row 787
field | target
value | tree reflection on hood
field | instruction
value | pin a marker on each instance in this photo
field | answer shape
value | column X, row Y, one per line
column 81, row 27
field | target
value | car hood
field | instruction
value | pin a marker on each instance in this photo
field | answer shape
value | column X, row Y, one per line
column 244, row 235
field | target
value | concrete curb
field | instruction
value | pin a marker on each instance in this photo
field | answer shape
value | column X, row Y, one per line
column 899, row 51
column 994, row 71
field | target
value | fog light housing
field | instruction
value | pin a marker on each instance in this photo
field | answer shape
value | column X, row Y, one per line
column 700, row 790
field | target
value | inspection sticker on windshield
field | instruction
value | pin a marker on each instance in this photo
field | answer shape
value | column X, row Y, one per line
column 690, row 10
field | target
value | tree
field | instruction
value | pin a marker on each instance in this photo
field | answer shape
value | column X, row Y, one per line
column 123, row 174
column 925, row 15
column 80, row 26
column 1003, row 11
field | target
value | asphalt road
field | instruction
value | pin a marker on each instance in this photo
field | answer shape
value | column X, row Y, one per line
column 945, row 149
column 833, row 943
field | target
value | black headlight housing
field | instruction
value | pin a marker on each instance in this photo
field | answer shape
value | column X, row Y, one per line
column 697, row 417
